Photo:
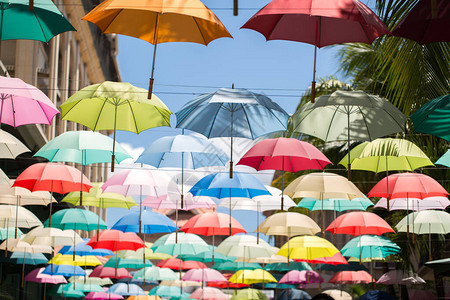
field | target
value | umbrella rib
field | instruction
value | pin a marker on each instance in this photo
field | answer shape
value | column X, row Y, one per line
column 329, row 127
column 98, row 117
column 134, row 118
column 246, row 118
column 118, row 13
column 275, row 25
column 39, row 103
column 214, row 120
column 158, row 109
column 364, row 119
column 40, row 26
column 201, row 34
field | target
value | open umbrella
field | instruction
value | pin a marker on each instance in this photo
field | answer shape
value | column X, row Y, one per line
column 37, row 276
column 414, row 204
column 245, row 247
column 289, row 224
column 108, row 272
column 115, row 106
column 128, row 263
column 335, row 204
column 325, row 23
column 203, row 275
column 10, row 146
column 212, row 223
column 18, row 216
column 206, row 256
column 301, row 277
column 116, row 240
column 250, row 294
column 18, row 99
column 338, row 294
column 284, row 154
column 90, row 280
column 103, row 295
column 181, row 243
column 147, row 222
column 76, row 219
column 431, row 117
column 178, row 264
column 208, row 293
column 154, row 273
column 358, row 223
column 125, row 289
column 159, row 21
column 252, row 276
column 351, row 277
column 235, row 113
column 236, row 266
column 400, row 277
column 64, row 270
column 293, row 294
column 370, row 246
column 284, row 267
column 307, row 248
column 69, row 259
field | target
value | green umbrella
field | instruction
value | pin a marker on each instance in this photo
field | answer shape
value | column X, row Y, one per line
column 370, row 246
column 115, row 106
column 38, row 20
column 167, row 291
column 129, row 263
column 207, row 257
column 348, row 115
column 76, row 219
column 250, row 294
column 336, row 204
column 433, row 117
column 96, row 197
column 236, row 266
column 284, row 267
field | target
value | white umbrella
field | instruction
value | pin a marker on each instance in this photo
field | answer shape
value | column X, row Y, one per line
column 10, row 146
column 245, row 247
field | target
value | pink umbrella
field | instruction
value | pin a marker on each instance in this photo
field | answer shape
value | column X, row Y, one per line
column 414, row 204
column 37, row 276
column 22, row 104
column 203, row 275
column 301, row 277
column 336, row 259
column 358, row 223
column 102, row 295
column 213, row 223
column 178, row 264
column 167, row 202
column 209, row 293
column 114, row 273
column 284, row 154
column 351, row 277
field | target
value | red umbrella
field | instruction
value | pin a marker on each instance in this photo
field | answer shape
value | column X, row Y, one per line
column 227, row 284
column 336, row 259
column 351, row 277
column 407, row 185
column 212, row 223
column 178, row 264
column 106, row 272
column 116, row 240
column 284, row 154
column 317, row 22
column 52, row 177
column 427, row 22
column 359, row 223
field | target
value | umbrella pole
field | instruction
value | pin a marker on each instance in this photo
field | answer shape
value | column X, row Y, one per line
column 23, row 270
column 257, row 222
column 81, row 180
column 113, row 156
column 230, row 216
column 98, row 222
column 155, row 39
column 387, row 186
column 143, row 259
column 182, row 179
column 313, row 83
column 17, row 216
column 282, row 187
column 176, row 222
column 231, row 147
column 349, row 165
column 140, row 209
column 51, row 206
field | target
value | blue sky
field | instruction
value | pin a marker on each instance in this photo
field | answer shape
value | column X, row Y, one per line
column 281, row 70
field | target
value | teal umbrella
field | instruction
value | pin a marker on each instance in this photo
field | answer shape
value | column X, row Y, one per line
column 433, row 117
column 444, row 160
column 167, row 291
column 29, row 258
column 236, row 266
column 336, row 204
column 86, row 287
column 285, row 267
column 9, row 232
column 206, row 257
column 66, row 291
column 370, row 246
column 38, row 20
column 128, row 263
column 76, row 219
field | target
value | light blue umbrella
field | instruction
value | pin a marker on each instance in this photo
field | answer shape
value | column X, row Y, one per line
column 207, row 257
column 154, row 273
column 335, row 204
column 64, row 270
column 29, row 258
column 165, row 291
column 151, row 222
column 236, row 266
column 370, row 246
column 128, row 263
column 125, row 289
column 9, row 232
column 293, row 294
column 232, row 113
column 444, row 160
column 86, row 288
column 82, row 249
column 180, row 244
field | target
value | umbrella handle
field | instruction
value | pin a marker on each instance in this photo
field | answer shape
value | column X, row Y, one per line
column 31, row 5
column 113, row 159
column 150, row 88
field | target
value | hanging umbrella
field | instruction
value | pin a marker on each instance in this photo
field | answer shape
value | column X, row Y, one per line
column 326, row 23
column 108, row 272
column 52, row 177
column 19, row 98
column 208, row 293
column 351, row 266
column 159, row 21
column 172, row 202
column 400, row 277
column 76, row 219
column 147, row 222
column 249, row 294
column 252, row 276
column 168, row 291
column 103, row 295
column 82, row 249
column 211, row 224
column 335, row 204
column 245, row 247
column 24, row 258
column 301, row 277
column 87, row 288
column 206, row 257
column 237, row 113
column 139, row 253
column 307, row 247
column 181, row 243
column 236, row 266
column 115, row 106
column 425, row 23
column 444, row 160
column 374, row 295
column 351, row 277
column 128, row 263
column 414, row 204
column 20, row 196
column 203, row 275
column 285, row 154
column 64, row 270
column 17, row 215
column 10, row 146
column 370, row 246
column 90, row 280
column 9, row 232
column 125, row 289
column 66, row 291
column 116, row 240
column 178, row 264
column 440, row 266
column 144, row 297
column 358, row 223
column 69, row 259
column 336, row 259
column 37, row 276
column 338, row 294
column 293, row 294
column 284, row 267
column 289, row 224
column 431, row 117
column 17, row 245
column 154, row 273
column 96, row 197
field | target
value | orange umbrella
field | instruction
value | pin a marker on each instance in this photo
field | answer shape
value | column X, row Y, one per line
column 159, row 21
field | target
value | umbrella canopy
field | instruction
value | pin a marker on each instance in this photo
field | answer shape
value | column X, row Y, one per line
column 431, row 117
column 172, row 201
column 293, row 294
column 358, row 223
column 155, row 274
column 29, row 258
column 370, row 246
column 336, row 259
column 351, row 277
column 168, row 291
column 206, row 256
column 245, row 246
column 178, row 264
column 20, row 196
column 378, row 295
column 425, row 222
column 208, row 293
column 149, row 221
column 414, row 204
column 17, row 215
column 103, row 295
column 301, row 277
column 9, row 232
column 82, row 249
column 249, row 294
column 181, row 243
column 307, row 247
column 96, row 197
column 203, row 275
column 407, row 185
column 400, row 277
column 425, row 23
column 338, row 294
column 90, row 280
column 386, row 154
column 251, row 276
column 51, row 237
column 17, row 245
column 87, row 288
column 76, row 219
column 289, row 224
column 351, row 266
column 236, row 266
column 19, row 98
column 64, row 270
column 441, row 266
column 116, row 240
column 107, row 272
column 37, row 276
column 129, row 263
column 66, row 291
column 75, row 260
column 10, row 146
column 360, row 203
column 444, row 159
column 41, row 21
column 283, row 267
column 125, row 289
column 212, row 223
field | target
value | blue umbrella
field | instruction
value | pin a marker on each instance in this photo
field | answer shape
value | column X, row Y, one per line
column 232, row 113
column 82, row 249
column 29, row 258
column 376, row 295
column 64, row 270
column 125, row 289
column 293, row 294
column 151, row 222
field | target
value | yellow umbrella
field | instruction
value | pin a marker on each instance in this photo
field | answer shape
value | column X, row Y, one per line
column 158, row 21
column 69, row 259
column 252, row 276
column 307, row 247
column 96, row 197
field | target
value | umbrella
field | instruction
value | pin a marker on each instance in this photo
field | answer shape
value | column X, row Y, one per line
column 289, row 224
column 351, row 266
column 115, row 106
column 338, row 294
column 336, row 204
column 103, row 295
column 425, row 23
column 116, row 240
column 284, row 154
column 251, row 277
column 178, row 264
column 154, row 273
column 351, row 277
column 444, row 159
column 208, row 293
column 379, row 295
column 170, row 151
column 168, row 202
column 293, row 294
column 19, row 99
column 181, row 243
column 349, row 115
column 18, row 215
column 326, row 23
column 64, row 270
column 147, row 252
column 301, row 277
column 67, row 291
column 108, row 272
column 82, row 249
column 17, row 245
column 336, row 259
column 159, row 21
column 147, row 222
column 51, row 237
column 96, row 197
column 20, row 196
column 168, row 291
column 360, row 222
column 283, row 267
column 206, row 256
column 249, row 294
column 212, row 223
column 24, row 258
column 37, row 276
column 307, row 247
column 10, row 146
column 441, row 266
column 90, row 280
column 203, row 275
column 125, row 289
column 145, row 297
column 76, row 219
column 245, row 247
column 128, row 263
column 87, row 288
column 66, row 259
column 415, row 204
column 236, row 113
column 400, row 277
column 9, row 232
column 236, row 266
column 370, row 246
column 52, row 177
column 431, row 117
